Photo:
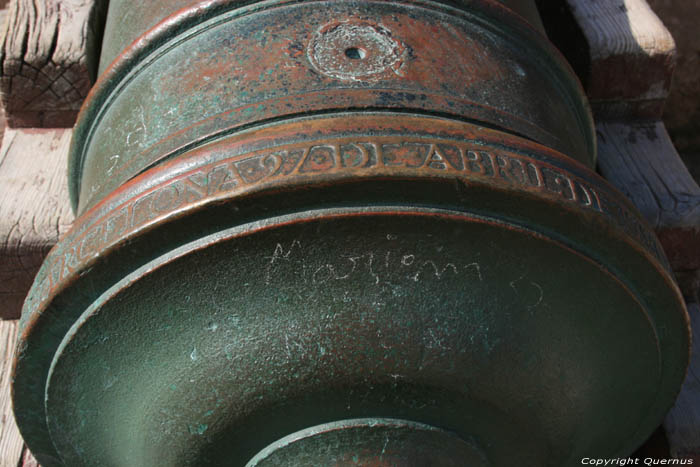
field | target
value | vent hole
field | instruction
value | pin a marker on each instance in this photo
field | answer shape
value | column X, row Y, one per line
column 355, row 53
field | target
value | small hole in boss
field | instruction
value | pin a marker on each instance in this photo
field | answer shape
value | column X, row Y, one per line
column 355, row 53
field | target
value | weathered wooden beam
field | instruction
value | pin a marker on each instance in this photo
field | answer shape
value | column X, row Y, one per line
column 632, row 56
column 640, row 160
column 48, row 50
column 626, row 70
column 633, row 144
column 11, row 443
column 683, row 105
column 621, row 51
column 625, row 58
column 28, row 459
column 34, row 208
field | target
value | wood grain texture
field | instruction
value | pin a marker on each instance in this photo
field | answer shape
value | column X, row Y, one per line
column 635, row 152
column 34, row 208
column 47, row 55
column 631, row 57
column 45, row 77
column 11, row 444
column 682, row 109
column 640, row 160
column 681, row 422
column 28, row 459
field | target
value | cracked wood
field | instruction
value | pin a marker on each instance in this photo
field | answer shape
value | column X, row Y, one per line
column 34, row 208
column 48, row 51
column 631, row 58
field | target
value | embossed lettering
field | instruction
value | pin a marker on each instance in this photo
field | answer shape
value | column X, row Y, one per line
column 166, row 199
column 195, row 187
column 558, row 183
column 453, row 155
column 435, row 159
column 43, row 290
column 511, row 169
column 319, row 158
column 221, row 179
column 407, row 154
column 56, row 272
column 438, row 155
column 290, row 159
column 256, row 168
column 480, row 162
column 534, row 176
column 115, row 225
column 71, row 260
column 91, row 241
column 142, row 211
column 372, row 153
column 353, row 155
column 582, row 194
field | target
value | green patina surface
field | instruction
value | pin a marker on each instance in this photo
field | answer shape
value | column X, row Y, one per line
column 343, row 233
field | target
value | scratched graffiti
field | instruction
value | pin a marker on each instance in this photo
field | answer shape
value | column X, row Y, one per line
column 381, row 155
column 378, row 266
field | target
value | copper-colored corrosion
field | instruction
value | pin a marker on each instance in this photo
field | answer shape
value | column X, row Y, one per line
column 343, row 233
column 267, row 61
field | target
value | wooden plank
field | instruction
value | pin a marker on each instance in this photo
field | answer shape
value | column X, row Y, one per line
column 631, row 57
column 34, row 208
column 28, row 460
column 640, row 160
column 681, row 422
column 48, row 51
column 11, row 444
column 628, row 78
column 627, row 74
column 683, row 105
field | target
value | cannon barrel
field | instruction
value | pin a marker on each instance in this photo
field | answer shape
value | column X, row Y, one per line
column 343, row 233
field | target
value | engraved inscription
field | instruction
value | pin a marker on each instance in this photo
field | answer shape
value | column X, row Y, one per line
column 407, row 154
column 557, row 182
column 353, row 155
column 256, row 168
column 380, row 155
column 320, row 158
column 451, row 154
column 115, row 225
column 479, row 162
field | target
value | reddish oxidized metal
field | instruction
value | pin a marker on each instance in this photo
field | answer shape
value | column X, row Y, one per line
column 317, row 232
column 255, row 63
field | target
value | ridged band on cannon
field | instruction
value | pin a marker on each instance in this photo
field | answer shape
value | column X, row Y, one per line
column 307, row 229
column 209, row 71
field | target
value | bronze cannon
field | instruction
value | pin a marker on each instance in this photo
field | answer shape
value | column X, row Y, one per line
column 343, row 233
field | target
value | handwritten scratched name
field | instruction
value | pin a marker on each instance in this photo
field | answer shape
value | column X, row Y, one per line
column 376, row 266
column 382, row 155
